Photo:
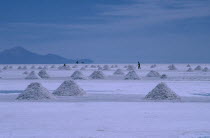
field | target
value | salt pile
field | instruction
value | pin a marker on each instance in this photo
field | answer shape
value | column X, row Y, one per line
column 64, row 68
column 45, row 67
column 205, row 69
column 26, row 72
column 190, row 69
column 25, row 67
column 35, row 91
column 10, row 67
column 5, row 67
column 153, row 73
column 188, row 65
column 106, row 67
column 33, row 67
column 19, row 67
column 131, row 75
column 93, row 66
column 43, row 74
column 69, row 88
column 130, row 68
column 53, row 66
column 97, row 75
column 115, row 66
column 112, row 66
column 118, row 72
column 164, row 76
column 82, row 68
column 153, row 66
column 100, row 68
column 171, row 67
column 77, row 75
column 40, row 67
column 162, row 92
column 32, row 75
column 75, row 66
column 198, row 68
column 125, row 66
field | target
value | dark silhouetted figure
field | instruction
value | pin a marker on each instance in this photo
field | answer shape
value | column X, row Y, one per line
column 77, row 62
column 64, row 65
column 139, row 65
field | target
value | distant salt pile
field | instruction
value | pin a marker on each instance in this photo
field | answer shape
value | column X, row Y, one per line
column 45, row 67
column 69, row 88
column 188, row 65
column 205, row 69
column 189, row 69
column 40, row 67
column 93, row 66
column 64, row 68
column 97, row 75
column 82, row 68
column 5, row 67
column 153, row 66
column 24, row 67
column 25, row 72
column 10, row 67
column 130, row 68
column 32, row 75
column 162, row 92
column 75, row 66
column 172, row 67
column 52, row 67
column 35, row 91
column 115, row 66
column 19, row 67
column 131, row 75
column 112, row 66
column 106, row 67
column 86, row 66
column 198, row 68
column 118, row 72
column 43, row 74
column 125, row 66
column 163, row 76
column 77, row 75
column 33, row 67
column 100, row 68
column 153, row 73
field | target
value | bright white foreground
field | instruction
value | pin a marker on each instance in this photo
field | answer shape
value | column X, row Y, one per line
column 112, row 108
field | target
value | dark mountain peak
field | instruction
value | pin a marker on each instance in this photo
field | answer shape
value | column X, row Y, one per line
column 19, row 55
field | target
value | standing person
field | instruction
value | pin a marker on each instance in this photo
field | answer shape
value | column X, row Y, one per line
column 139, row 65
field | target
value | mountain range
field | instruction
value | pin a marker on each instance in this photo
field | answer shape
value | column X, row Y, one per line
column 19, row 55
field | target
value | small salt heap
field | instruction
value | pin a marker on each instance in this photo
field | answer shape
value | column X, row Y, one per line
column 205, row 69
column 131, row 75
column 198, row 68
column 43, row 74
column 162, row 92
column 97, row 75
column 171, row 67
column 153, row 73
column 32, row 75
column 35, row 91
column 118, row 72
column 69, row 88
column 77, row 75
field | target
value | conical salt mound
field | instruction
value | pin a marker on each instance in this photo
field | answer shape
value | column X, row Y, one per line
column 190, row 69
column 130, row 68
column 100, row 68
column 19, row 67
column 35, row 91
column 188, row 65
column 25, row 67
column 77, row 75
column 93, row 66
column 82, row 68
column 153, row 66
column 53, row 66
column 198, row 68
column 163, row 76
column 131, row 76
column 205, row 69
column 43, row 74
column 40, row 67
column 64, row 67
column 118, row 72
column 171, row 67
column 106, row 67
column 33, row 67
column 5, row 67
column 32, row 75
column 69, row 88
column 26, row 72
column 162, row 92
column 153, row 73
column 97, row 75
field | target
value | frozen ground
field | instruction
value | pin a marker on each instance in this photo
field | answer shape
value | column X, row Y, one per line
column 112, row 108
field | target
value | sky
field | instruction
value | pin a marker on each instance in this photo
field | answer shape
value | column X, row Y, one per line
column 110, row 31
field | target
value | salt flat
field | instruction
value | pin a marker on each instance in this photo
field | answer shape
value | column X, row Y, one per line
column 112, row 107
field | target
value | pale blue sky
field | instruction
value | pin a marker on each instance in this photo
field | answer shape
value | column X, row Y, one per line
column 109, row 31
